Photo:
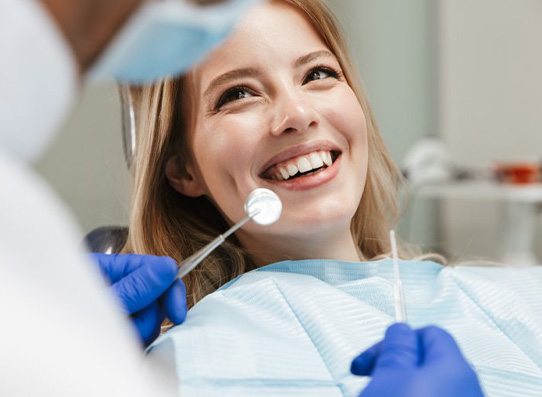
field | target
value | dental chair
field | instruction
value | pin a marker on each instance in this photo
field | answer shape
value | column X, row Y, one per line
column 111, row 239
column 106, row 239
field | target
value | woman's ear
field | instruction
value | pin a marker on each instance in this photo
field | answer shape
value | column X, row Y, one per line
column 183, row 178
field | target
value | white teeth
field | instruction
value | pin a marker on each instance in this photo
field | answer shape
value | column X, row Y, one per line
column 316, row 160
column 326, row 156
column 303, row 164
column 292, row 169
column 284, row 173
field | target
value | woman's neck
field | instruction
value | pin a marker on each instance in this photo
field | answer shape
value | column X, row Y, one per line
column 266, row 250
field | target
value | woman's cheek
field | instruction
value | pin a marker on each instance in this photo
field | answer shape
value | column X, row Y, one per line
column 228, row 145
column 351, row 114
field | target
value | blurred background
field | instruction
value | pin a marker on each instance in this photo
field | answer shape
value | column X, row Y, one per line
column 464, row 72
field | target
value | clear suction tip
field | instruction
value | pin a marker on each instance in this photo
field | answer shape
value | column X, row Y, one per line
column 265, row 205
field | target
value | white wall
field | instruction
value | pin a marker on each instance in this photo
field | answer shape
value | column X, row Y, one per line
column 490, row 104
column 85, row 163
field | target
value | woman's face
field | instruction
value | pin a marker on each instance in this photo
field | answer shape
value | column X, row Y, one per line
column 275, row 111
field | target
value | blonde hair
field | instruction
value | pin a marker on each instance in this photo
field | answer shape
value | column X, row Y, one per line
column 164, row 222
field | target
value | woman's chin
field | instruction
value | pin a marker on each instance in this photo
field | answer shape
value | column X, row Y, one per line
column 316, row 227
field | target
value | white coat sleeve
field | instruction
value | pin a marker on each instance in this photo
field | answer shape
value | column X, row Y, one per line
column 61, row 332
column 38, row 77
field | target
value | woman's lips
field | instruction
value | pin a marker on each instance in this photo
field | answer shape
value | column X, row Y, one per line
column 310, row 181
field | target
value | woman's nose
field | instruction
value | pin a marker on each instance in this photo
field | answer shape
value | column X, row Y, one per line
column 293, row 114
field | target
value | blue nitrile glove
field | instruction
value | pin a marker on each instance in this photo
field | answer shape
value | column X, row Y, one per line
column 147, row 289
column 416, row 363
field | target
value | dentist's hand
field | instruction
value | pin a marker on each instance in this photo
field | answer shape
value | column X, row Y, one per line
column 147, row 289
column 416, row 363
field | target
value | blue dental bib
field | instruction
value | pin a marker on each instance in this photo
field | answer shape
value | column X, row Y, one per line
column 292, row 328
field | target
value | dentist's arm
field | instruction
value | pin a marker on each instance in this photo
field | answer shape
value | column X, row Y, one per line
column 146, row 287
column 416, row 363
column 89, row 25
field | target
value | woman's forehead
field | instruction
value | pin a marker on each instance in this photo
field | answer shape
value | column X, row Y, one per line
column 272, row 34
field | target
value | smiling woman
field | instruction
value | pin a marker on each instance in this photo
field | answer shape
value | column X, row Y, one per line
column 277, row 106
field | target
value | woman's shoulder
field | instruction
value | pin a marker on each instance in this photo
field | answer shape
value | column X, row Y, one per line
column 510, row 275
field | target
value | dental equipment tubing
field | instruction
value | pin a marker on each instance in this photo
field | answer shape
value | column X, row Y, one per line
column 263, row 206
column 398, row 292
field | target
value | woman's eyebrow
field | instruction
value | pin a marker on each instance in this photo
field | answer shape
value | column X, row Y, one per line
column 302, row 60
column 231, row 75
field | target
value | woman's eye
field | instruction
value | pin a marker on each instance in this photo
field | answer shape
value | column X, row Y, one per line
column 320, row 73
column 232, row 95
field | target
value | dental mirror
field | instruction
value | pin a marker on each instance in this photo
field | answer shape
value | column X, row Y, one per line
column 263, row 206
